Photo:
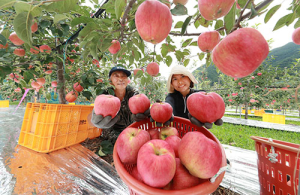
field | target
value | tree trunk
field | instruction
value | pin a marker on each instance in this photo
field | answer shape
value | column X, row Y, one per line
column 61, row 80
column 236, row 108
column 246, row 110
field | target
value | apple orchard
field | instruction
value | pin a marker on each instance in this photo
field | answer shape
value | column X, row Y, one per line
column 64, row 49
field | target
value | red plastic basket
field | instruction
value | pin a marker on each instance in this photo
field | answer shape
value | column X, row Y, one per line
column 281, row 177
column 136, row 187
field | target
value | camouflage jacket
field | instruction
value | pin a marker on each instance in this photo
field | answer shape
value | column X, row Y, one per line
column 124, row 114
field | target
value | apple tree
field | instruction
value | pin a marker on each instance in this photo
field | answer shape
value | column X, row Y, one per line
column 71, row 41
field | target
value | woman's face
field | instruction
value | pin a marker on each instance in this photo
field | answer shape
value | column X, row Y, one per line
column 181, row 83
column 119, row 79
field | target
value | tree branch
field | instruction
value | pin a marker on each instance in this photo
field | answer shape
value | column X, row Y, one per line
column 128, row 8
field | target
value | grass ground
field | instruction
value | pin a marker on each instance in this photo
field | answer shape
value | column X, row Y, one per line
column 239, row 135
column 259, row 118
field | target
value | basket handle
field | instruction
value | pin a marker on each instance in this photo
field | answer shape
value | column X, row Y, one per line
column 272, row 156
column 221, row 170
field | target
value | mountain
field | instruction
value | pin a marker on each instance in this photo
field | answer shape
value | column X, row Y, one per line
column 283, row 57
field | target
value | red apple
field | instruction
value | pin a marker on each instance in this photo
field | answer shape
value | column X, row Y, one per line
column 115, row 47
column 15, row 39
column 107, row 105
column 54, row 83
column 241, row 52
column 136, row 70
column 161, row 112
column 45, row 48
column 200, row 155
column 34, row 27
column 19, row 52
column 206, row 107
column 136, row 174
column 182, row 178
column 167, row 131
column 129, row 143
column 71, row 96
column 152, row 68
column 213, row 9
column 154, row 133
column 96, row 62
column 35, row 84
column 48, row 72
column 4, row 46
column 174, row 141
column 139, row 103
column 156, row 163
column 34, row 51
column 78, row 87
column 41, row 81
column 259, row 74
column 17, row 89
column 208, row 40
column 153, row 21
column 296, row 36
column 182, row 2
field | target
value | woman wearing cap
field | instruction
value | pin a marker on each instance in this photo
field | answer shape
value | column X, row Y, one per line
column 180, row 86
column 118, row 77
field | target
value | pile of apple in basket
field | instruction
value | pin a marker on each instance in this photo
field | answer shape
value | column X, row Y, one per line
column 163, row 159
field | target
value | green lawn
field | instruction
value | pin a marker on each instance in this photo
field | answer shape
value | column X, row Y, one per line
column 239, row 135
column 259, row 118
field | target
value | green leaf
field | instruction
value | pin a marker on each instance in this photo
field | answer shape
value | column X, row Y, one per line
column 201, row 56
column 283, row 21
column 59, row 17
column 158, row 58
column 195, row 43
column 179, row 55
column 169, row 61
column 2, row 40
column 164, row 50
column 27, row 76
column 229, row 19
column 271, row 12
column 218, row 24
column 22, row 25
column 6, row 3
column 179, row 10
column 48, row 96
column 4, row 70
column 197, row 23
column 107, row 147
column 5, row 33
column 23, row 83
column 91, row 80
column 131, row 59
column 253, row 11
column 187, row 42
column 178, row 24
column 119, row 7
column 186, row 62
column 36, row 11
column 185, row 24
column 297, row 24
column 62, row 6
column 21, row 6
column 204, row 22
column 87, row 94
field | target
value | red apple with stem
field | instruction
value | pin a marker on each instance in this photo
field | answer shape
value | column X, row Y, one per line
column 115, row 47
column 241, row 52
column 107, row 105
column 153, row 21
column 213, row 9
column 182, row 178
column 71, row 96
column 156, row 163
column 161, row 112
column 208, row 40
column 139, row 103
column 78, row 87
column 200, row 155
column 206, row 107
column 167, row 131
column 152, row 68
column 129, row 143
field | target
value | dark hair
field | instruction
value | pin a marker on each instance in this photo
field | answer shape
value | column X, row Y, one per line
column 191, row 85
